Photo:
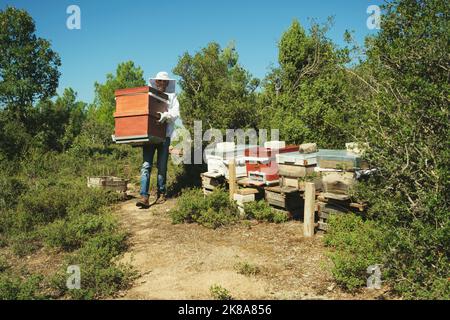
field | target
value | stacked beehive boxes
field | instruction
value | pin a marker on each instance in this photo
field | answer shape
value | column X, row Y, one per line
column 338, row 170
column 218, row 158
column 296, row 168
column 136, row 116
column 261, row 162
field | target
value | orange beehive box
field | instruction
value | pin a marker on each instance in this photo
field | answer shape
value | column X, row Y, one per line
column 136, row 117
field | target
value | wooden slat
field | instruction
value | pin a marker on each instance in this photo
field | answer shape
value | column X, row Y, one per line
column 308, row 216
column 232, row 178
column 340, row 197
column 247, row 191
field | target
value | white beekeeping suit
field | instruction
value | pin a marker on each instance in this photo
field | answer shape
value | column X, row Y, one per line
column 173, row 112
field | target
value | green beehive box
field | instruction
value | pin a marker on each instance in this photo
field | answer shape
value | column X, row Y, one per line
column 340, row 159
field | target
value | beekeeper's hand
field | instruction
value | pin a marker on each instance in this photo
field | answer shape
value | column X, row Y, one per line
column 164, row 116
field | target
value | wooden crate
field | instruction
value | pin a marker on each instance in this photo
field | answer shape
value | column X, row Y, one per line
column 108, row 183
column 136, row 116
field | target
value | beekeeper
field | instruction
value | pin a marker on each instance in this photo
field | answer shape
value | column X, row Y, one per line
column 163, row 83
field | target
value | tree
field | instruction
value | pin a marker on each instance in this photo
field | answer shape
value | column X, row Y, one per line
column 127, row 76
column 407, row 126
column 216, row 89
column 28, row 65
column 54, row 124
column 313, row 94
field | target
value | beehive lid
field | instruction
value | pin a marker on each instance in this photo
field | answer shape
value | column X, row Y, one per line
column 141, row 90
column 297, row 158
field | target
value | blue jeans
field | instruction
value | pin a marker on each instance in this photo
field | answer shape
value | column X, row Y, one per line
column 161, row 162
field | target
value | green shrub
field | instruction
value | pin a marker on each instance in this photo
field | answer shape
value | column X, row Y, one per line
column 42, row 206
column 247, row 269
column 262, row 211
column 213, row 211
column 3, row 264
column 280, row 216
column 101, row 275
column 357, row 245
column 14, row 288
column 10, row 190
column 71, row 234
column 220, row 293
column 24, row 243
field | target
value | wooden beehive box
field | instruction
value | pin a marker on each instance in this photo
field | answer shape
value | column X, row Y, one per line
column 108, row 183
column 338, row 182
column 136, row 116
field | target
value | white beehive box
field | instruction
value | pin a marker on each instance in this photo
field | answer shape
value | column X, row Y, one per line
column 296, row 158
column 218, row 165
column 274, row 144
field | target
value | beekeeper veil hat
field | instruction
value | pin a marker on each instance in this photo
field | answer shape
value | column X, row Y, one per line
column 163, row 76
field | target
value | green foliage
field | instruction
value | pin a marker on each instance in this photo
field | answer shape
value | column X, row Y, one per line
column 216, row 89
column 357, row 245
column 24, row 243
column 56, row 124
column 127, row 76
column 101, row 274
column 50, row 126
column 261, row 211
column 220, row 293
column 314, row 89
column 28, row 66
column 212, row 211
column 14, row 138
column 405, row 80
column 247, row 269
column 15, row 288
column 70, row 234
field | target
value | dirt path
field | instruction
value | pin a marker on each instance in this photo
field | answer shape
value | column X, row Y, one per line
column 184, row 261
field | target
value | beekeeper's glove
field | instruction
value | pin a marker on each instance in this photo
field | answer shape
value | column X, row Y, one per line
column 164, row 116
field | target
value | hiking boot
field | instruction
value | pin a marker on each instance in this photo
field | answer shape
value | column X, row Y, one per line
column 143, row 202
column 161, row 198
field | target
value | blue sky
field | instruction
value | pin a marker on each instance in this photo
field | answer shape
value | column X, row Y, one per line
column 154, row 34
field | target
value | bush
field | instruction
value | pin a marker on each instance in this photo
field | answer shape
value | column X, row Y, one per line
column 357, row 245
column 220, row 293
column 71, row 234
column 101, row 276
column 10, row 190
column 24, row 243
column 41, row 206
column 14, row 288
column 213, row 211
column 247, row 269
column 261, row 211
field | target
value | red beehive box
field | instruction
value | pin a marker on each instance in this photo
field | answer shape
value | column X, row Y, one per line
column 136, row 117
column 264, row 160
